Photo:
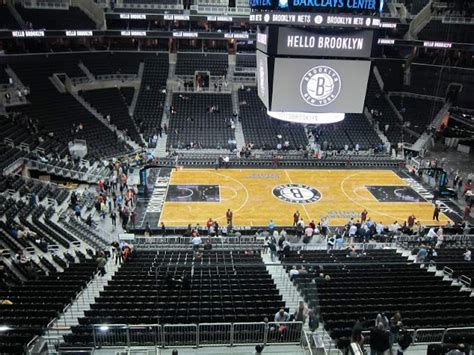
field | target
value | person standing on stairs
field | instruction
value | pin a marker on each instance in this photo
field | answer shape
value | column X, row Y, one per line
column 101, row 262
column 273, row 249
column 301, row 313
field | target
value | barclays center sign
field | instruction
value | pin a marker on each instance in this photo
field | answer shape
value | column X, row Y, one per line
column 317, row 5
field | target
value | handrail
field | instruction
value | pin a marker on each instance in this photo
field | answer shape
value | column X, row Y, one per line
column 31, row 344
column 114, row 331
column 306, row 339
column 448, row 271
column 465, row 280
column 56, row 169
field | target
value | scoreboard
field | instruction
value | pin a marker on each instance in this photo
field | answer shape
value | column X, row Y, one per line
column 313, row 67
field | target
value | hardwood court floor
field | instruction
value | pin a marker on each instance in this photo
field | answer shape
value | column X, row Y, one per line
column 250, row 195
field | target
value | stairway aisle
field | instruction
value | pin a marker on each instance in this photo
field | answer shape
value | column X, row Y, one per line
column 83, row 302
column 291, row 296
column 286, row 289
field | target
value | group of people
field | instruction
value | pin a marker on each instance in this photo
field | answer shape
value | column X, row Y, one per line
column 301, row 314
column 277, row 243
column 428, row 253
column 19, row 231
column 384, row 333
column 122, row 252
column 310, row 230
column 114, row 198
column 212, row 226
column 26, row 263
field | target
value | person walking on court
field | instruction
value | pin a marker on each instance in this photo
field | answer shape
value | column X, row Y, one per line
column 363, row 216
column 296, row 218
column 229, row 215
column 436, row 213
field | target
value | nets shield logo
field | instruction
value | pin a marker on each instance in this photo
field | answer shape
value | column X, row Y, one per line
column 296, row 193
column 320, row 86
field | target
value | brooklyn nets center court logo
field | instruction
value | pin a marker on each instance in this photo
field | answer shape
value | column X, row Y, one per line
column 296, row 193
column 320, row 86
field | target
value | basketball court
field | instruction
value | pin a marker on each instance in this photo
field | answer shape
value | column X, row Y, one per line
column 257, row 196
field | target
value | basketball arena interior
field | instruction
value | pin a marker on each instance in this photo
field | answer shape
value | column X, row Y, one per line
column 236, row 177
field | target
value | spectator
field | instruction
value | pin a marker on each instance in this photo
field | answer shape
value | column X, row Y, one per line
column 379, row 340
column 118, row 254
column 208, row 245
column 20, row 257
column 77, row 210
column 308, row 232
column 331, row 242
column 89, row 220
column 273, row 249
column 229, row 215
column 209, row 225
column 421, row 255
column 285, row 247
column 101, row 262
column 395, row 326
column 301, row 313
column 294, row 273
column 440, row 238
column 356, row 335
column 404, row 341
column 352, row 253
column 196, row 242
column 431, row 233
column 436, row 213
column 126, row 253
column 271, row 226
column 313, row 321
column 324, row 226
column 467, row 212
column 467, row 255
column 20, row 234
column 281, row 316
column 148, row 231
column 34, row 200
column 352, row 233
column 296, row 218
column 113, row 217
column 383, row 320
